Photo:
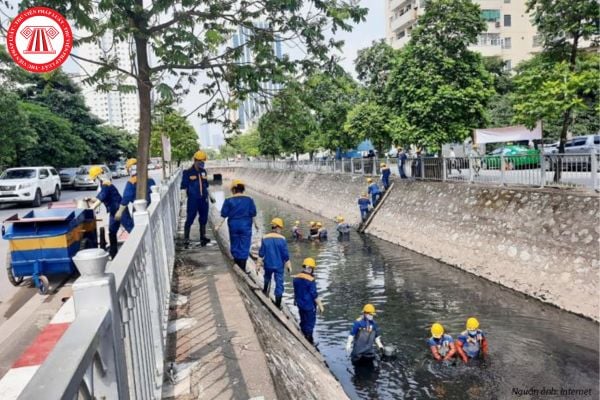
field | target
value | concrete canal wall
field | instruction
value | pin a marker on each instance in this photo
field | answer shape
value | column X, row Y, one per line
column 541, row 242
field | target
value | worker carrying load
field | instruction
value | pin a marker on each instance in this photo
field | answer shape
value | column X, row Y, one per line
column 374, row 191
column 274, row 257
column 296, row 231
column 110, row 196
column 363, row 338
column 307, row 298
column 472, row 343
column 385, row 176
column 441, row 345
column 240, row 210
column 363, row 205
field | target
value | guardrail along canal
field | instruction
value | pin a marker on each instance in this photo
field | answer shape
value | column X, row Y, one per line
column 532, row 345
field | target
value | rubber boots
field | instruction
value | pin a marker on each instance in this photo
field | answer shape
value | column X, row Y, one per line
column 278, row 302
column 309, row 337
column 186, row 234
column 203, row 239
column 240, row 263
column 113, row 245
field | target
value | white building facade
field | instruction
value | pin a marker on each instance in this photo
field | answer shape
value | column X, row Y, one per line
column 510, row 34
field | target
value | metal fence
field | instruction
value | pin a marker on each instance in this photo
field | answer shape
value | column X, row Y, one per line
column 115, row 347
column 562, row 170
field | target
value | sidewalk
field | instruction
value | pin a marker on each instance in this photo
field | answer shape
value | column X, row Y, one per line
column 213, row 351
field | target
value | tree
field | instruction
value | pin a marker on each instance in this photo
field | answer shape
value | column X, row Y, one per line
column 373, row 67
column 184, row 140
column 269, row 143
column 438, row 87
column 369, row 120
column 562, row 25
column 189, row 37
column 57, row 145
column 16, row 135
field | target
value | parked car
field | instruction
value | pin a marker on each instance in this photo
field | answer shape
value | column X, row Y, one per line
column 122, row 171
column 82, row 178
column 67, row 177
column 114, row 171
column 577, row 156
column 29, row 185
column 151, row 166
column 515, row 157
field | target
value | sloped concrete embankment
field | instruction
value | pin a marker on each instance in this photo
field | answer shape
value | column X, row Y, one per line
column 541, row 242
column 297, row 369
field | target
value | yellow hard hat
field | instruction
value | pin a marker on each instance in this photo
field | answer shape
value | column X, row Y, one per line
column 437, row 330
column 319, row 224
column 309, row 262
column 277, row 222
column 382, row 164
column 95, row 171
column 369, row 309
column 369, row 180
column 130, row 162
column 312, row 223
column 340, row 219
column 472, row 324
column 200, row 156
column 475, row 145
column 236, row 182
column 296, row 222
column 363, row 194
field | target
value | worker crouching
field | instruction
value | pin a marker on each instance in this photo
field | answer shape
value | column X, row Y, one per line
column 274, row 256
column 306, row 298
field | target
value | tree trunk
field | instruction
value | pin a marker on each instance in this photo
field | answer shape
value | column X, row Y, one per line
column 144, row 88
column 566, row 115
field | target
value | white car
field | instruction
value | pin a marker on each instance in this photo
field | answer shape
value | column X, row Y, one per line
column 29, row 185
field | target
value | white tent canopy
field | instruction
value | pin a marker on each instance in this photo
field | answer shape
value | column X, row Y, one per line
column 507, row 134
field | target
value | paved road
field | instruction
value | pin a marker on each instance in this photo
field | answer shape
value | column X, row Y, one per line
column 23, row 312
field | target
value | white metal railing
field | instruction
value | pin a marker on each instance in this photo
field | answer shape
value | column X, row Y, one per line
column 573, row 170
column 115, row 347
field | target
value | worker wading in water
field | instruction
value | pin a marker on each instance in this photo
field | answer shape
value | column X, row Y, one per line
column 240, row 211
column 273, row 257
column 306, row 298
column 194, row 185
column 364, row 336
column 110, row 196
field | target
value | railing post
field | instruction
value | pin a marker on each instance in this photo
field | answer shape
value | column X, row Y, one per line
column 444, row 169
column 374, row 166
column 594, row 170
column 352, row 166
column 422, row 167
column 471, row 178
column 362, row 166
column 333, row 164
column 542, row 169
column 502, row 168
column 96, row 288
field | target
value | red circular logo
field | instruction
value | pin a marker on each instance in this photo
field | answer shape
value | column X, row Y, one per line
column 39, row 39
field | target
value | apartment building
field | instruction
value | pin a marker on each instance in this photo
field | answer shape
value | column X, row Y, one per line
column 509, row 34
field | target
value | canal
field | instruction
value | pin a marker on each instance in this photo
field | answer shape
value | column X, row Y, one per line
column 533, row 346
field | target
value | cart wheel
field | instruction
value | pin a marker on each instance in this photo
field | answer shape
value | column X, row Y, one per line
column 14, row 280
column 44, row 284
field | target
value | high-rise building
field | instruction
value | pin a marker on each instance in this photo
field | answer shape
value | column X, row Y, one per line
column 116, row 108
column 509, row 34
column 255, row 105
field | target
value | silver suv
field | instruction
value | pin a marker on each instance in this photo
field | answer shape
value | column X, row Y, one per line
column 578, row 153
column 29, row 184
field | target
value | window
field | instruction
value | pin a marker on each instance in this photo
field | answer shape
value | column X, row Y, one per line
column 400, row 35
column 490, row 15
column 507, row 65
column 507, row 20
column 507, row 43
column 53, row 171
column 596, row 139
column 43, row 173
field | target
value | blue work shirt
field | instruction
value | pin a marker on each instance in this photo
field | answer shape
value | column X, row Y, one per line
column 364, row 203
column 374, row 188
column 305, row 291
column 195, row 182
column 385, row 172
column 109, row 195
column 471, row 345
column 274, row 251
column 442, row 344
column 129, row 193
column 365, row 332
column 238, row 207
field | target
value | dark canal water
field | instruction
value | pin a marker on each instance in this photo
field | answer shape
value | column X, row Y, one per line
column 533, row 347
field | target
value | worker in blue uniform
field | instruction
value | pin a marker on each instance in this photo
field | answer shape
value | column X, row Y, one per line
column 441, row 344
column 374, row 191
column 110, row 196
column 322, row 233
column 343, row 228
column 472, row 343
column 129, row 193
column 296, row 231
column 240, row 211
column 274, row 257
column 194, row 185
column 306, row 298
column 365, row 334
column 363, row 205
column 385, row 176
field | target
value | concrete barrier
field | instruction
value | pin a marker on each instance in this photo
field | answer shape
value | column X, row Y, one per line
column 541, row 242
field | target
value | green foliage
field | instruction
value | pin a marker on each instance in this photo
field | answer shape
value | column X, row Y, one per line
column 502, row 78
column 373, row 66
column 439, row 89
column 172, row 124
column 546, row 90
column 246, row 144
column 15, row 135
column 501, row 111
column 370, row 120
